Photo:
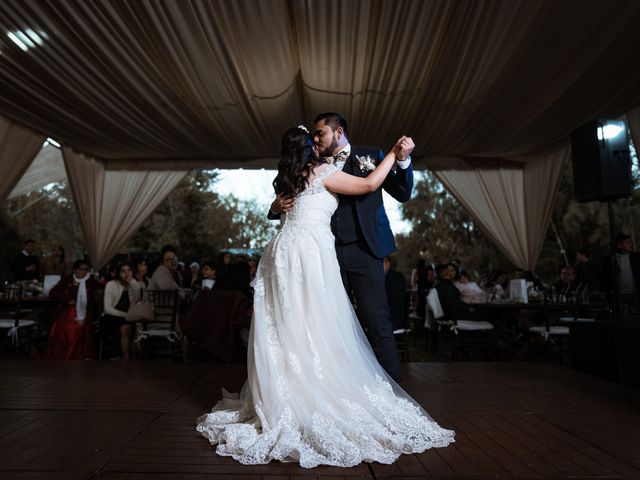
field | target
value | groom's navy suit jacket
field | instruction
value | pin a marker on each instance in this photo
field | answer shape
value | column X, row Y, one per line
column 366, row 212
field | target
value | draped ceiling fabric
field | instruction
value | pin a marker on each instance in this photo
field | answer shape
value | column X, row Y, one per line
column 511, row 204
column 47, row 167
column 18, row 147
column 113, row 204
column 166, row 84
column 176, row 85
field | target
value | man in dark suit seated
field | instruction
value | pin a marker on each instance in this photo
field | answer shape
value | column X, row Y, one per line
column 567, row 285
column 396, row 287
column 449, row 296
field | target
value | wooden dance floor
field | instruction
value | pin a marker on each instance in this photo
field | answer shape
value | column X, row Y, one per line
column 117, row 421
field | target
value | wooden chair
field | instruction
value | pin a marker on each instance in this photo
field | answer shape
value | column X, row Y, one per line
column 402, row 334
column 12, row 321
column 552, row 333
column 162, row 329
column 462, row 334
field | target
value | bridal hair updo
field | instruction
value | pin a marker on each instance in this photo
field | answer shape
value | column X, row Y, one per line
column 296, row 161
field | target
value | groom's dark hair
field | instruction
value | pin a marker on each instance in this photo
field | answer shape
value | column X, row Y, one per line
column 334, row 120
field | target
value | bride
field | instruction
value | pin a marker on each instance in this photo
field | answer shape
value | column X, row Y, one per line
column 315, row 393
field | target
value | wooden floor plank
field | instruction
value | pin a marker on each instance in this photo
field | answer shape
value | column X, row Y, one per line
column 136, row 421
column 490, row 444
column 508, row 439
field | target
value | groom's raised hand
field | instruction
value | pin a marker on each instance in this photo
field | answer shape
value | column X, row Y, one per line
column 404, row 146
column 282, row 203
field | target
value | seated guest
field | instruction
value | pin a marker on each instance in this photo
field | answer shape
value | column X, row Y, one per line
column 533, row 281
column 396, row 288
column 208, row 275
column 71, row 333
column 192, row 276
column 108, row 273
column 621, row 273
column 224, row 262
column 470, row 292
column 119, row 294
column 452, row 305
column 235, row 278
column 422, row 279
column 587, row 274
column 142, row 267
column 166, row 276
column 54, row 264
column 567, row 284
column 26, row 265
column 499, row 285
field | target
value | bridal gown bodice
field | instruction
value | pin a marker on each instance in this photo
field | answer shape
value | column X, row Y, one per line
column 315, row 393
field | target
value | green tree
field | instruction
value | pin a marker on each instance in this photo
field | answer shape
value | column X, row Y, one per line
column 50, row 218
column 201, row 223
column 442, row 228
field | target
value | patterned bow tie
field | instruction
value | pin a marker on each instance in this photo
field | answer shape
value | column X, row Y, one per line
column 338, row 157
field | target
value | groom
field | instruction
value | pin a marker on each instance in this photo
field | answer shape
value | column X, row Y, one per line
column 361, row 227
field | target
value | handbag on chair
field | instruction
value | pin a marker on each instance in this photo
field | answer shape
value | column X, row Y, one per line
column 140, row 311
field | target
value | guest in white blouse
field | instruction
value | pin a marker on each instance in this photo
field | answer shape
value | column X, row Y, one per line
column 119, row 294
column 470, row 292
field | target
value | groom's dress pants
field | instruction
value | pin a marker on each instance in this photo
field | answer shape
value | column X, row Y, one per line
column 363, row 274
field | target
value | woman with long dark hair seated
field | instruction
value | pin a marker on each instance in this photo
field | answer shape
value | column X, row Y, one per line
column 119, row 295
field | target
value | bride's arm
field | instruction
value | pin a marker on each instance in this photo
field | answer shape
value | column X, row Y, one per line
column 340, row 182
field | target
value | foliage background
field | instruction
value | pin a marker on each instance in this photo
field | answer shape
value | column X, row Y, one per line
column 201, row 223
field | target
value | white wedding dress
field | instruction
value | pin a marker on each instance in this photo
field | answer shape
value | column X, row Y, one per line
column 315, row 393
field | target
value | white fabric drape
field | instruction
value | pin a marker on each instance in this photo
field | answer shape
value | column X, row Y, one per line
column 113, row 204
column 46, row 168
column 18, row 147
column 512, row 205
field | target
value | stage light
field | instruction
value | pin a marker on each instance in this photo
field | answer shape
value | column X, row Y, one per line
column 608, row 131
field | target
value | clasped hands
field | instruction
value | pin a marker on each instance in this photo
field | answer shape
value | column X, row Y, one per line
column 403, row 148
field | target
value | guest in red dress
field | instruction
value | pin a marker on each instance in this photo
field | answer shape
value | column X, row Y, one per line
column 71, row 334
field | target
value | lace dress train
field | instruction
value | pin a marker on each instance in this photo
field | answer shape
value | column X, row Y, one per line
column 315, row 393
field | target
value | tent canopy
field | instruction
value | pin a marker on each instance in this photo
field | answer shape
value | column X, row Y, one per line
column 176, row 84
column 490, row 87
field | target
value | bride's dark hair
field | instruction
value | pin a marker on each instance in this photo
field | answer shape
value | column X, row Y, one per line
column 296, row 161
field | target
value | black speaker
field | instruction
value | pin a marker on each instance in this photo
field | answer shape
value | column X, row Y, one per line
column 601, row 161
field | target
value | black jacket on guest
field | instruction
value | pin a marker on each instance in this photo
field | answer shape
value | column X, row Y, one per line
column 452, row 306
column 20, row 264
column 611, row 271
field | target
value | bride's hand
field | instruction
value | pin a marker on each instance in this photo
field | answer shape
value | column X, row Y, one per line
column 282, row 203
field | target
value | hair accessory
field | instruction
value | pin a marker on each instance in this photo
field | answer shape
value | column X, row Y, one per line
column 302, row 127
